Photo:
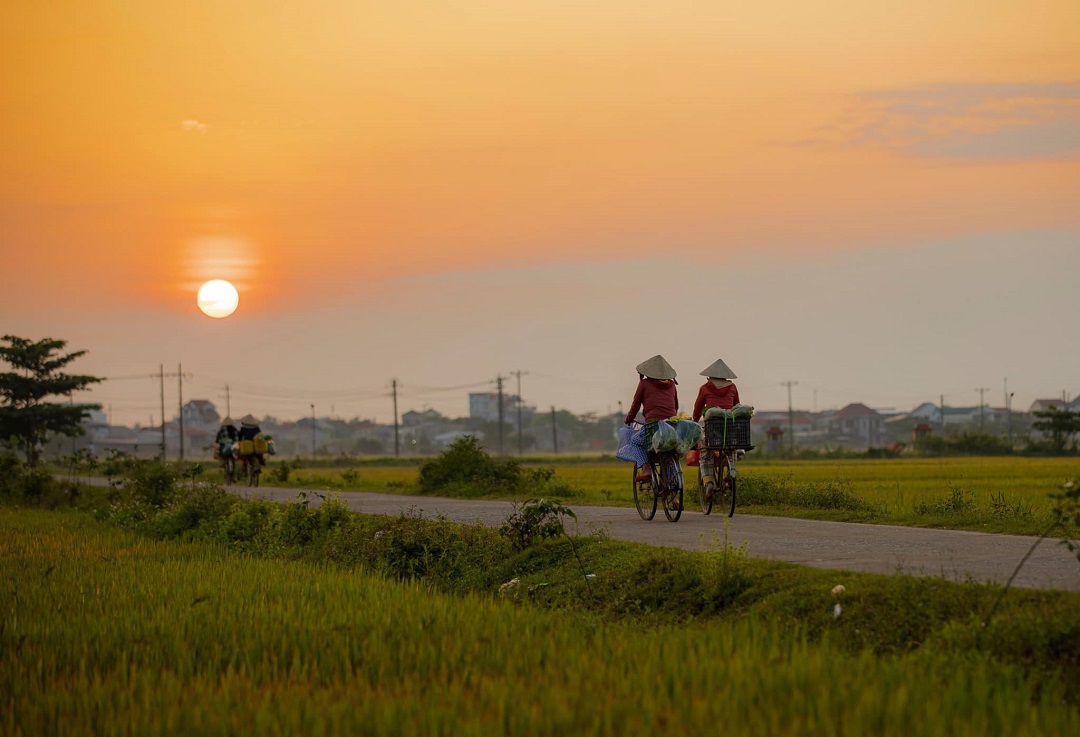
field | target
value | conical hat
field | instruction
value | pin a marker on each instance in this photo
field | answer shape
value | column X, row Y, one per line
column 719, row 370
column 656, row 368
column 248, row 420
column 228, row 421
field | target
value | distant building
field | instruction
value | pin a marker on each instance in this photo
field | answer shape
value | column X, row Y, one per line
column 932, row 414
column 1042, row 405
column 858, row 423
column 412, row 418
column 485, row 406
column 200, row 412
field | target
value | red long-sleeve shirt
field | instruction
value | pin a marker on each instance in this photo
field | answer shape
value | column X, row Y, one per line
column 658, row 398
column 709, row 396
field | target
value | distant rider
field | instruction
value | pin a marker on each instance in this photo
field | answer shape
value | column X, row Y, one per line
column 249, row 428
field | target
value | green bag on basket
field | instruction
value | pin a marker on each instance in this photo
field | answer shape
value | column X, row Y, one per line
column 689, row 434
column 664, row 438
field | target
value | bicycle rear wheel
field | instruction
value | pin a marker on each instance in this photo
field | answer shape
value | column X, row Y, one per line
column 704, row 500
column 644, row 496
column 671, row 486
column 725, row 484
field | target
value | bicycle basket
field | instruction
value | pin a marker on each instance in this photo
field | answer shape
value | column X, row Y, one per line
column 728, row 433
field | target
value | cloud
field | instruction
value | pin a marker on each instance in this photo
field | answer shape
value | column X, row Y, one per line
column 976, row 121
column 193, row 125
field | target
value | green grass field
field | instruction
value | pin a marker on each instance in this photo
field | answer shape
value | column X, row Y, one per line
column 107, row 632
column 992, row 494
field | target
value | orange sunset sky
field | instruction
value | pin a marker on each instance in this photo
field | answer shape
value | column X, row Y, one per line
column 880, row 201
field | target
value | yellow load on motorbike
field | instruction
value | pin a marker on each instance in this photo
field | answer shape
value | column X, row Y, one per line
column 261, row 446
column 247, row 447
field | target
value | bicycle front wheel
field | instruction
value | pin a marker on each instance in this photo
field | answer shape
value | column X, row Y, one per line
column 644, row 496
column 672, row 488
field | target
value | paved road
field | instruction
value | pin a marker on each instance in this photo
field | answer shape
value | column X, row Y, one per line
column 952, row 554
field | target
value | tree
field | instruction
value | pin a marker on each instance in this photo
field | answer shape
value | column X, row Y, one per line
column 1059, row 424
column 37, row 375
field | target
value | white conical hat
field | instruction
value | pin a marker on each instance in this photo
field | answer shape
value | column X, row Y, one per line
column 656, row 368
column 719, row 370
column 248, row 420
column 228, row 421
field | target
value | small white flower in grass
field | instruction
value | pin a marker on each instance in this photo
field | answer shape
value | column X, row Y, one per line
column 590, row 576
column 838, row 589
column 379, row 534
column 509, row 586
column 836, row 610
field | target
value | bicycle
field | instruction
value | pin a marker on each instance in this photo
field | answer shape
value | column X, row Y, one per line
column 226, row 454
column 728, row 440
column 228, row 465
column 665, row 484
column 252, row 468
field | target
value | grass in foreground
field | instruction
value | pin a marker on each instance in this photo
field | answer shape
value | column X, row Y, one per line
column 105, row 631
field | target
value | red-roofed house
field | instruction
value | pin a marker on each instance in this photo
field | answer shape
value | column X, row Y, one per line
column 858, row 424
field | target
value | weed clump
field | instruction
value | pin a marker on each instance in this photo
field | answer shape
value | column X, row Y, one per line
column 956, row 502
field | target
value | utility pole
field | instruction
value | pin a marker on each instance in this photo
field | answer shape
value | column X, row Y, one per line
column 161, row 379
column 942, row 398
column 790, row 415
column 982, row 391
column 554, row 432
column 161, row 375
column 228, row 402
column 180, row 394
column 397, row 443
column 499, row 381
column 518, row 374
column 313, row 452
column 1008, row 410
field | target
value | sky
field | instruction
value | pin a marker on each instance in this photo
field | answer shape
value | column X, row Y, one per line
column 846, row 201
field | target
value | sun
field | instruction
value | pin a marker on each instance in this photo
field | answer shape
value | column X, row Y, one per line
column 218, row 298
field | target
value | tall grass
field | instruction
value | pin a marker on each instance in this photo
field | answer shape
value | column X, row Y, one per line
column 105, row 632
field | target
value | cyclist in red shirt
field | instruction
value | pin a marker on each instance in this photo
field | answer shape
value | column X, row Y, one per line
column 717, row 391
column 656, row 395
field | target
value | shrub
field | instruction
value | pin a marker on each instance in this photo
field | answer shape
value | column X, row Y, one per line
column 466, row 464
column 465, row 469
column 23, row 483
column 205, row 505
column 966, row 443
column 153, row 482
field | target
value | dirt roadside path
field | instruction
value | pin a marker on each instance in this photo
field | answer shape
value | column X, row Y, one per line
column 951, row 554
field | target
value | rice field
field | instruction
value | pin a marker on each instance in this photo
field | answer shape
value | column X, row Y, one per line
column 990, row 493
column 105, row 632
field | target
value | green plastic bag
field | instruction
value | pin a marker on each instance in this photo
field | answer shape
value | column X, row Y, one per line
column 664, row 438
column 689, row 434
